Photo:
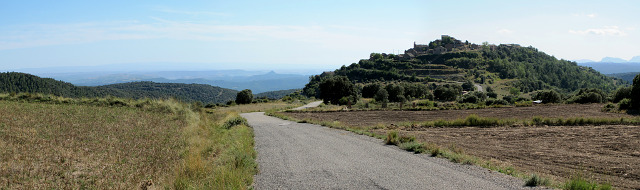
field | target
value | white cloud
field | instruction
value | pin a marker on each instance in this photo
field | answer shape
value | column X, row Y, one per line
column 339, row 37
column 592, row 15
column 604, row 31
column 505, row 31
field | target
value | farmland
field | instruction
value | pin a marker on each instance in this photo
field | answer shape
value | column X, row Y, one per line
column 47, row 146
column 604, row 153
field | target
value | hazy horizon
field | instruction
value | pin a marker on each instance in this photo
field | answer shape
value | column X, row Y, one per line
column 298, row 36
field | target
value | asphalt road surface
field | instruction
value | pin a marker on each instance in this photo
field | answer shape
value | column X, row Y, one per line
column 305, row 156
column 309, row 105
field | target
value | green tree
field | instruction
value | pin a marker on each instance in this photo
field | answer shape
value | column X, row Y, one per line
column 548, row 96
column 635, row 93
column 382, row 96
column 622, row 93
column 468, row 86
column 395, row 92
column 332, row 89
column 244, row 97
column 370, row 90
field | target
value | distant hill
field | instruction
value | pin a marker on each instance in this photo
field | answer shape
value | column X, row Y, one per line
column 502, row 66
column 21, row 82
column 231, row 79
column 625, row 76
column 611, row 68
column 613, row 60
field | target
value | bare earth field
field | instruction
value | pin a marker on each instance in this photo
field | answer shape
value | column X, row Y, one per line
column 607, row 154
column 47, row 146
column 372, row 118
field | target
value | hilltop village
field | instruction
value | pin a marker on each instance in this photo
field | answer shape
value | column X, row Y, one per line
column 445, row 44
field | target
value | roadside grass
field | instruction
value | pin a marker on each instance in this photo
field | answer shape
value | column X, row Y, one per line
column 457, row 155
column 579, row 183
column 261, row 107
column 112, row 143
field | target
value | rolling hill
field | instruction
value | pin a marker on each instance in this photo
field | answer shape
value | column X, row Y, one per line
column 499, row 66
column 22, row 82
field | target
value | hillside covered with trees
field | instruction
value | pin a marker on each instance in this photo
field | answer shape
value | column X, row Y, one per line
column 13, row 82
column 449, row 70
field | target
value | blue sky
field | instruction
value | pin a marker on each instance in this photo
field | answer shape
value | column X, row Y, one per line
column 282, row 35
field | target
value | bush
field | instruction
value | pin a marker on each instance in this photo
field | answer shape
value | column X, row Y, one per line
column 395, row 92
column 469, row 98
column 491, row 102
column 447, row 92
column 635, row 93
column 370, row 90
column 392, row 138
column 536, row 180
column 622, row 93
column 589, row 95
column 624, row 104
column 548, row 96
column 332, row 89
column 579, row 183
column 468, row 86
column 510, row 98
column 244, row 97
column 381, row 96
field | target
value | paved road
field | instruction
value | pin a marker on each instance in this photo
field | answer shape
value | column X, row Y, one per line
column 305, row 156
column 309, row 105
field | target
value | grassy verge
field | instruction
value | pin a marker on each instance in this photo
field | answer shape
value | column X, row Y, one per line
column 457, row 155
column 219, row 153
column 112, row 143
column 261, row 107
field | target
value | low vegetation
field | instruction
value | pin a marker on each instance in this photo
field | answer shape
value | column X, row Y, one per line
column 113, row 143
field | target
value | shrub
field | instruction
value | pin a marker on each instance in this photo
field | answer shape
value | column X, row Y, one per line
column 332, row 89
column 548, row 96
column 624, row 104
column 468, row 86
column 412, row 146
column 234, row 121
column 382, row 96
column 447, row 92
column 635, row 93
column 396, row 92
column 469, row 98
column 579, row 183
column 536, row 180
column 244, row 97
column 392, row 138
column 622, row 93
column 491, row 102
column 588, row 95
column 370, row 90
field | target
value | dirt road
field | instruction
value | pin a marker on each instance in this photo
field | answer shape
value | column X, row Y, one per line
column 305, row 156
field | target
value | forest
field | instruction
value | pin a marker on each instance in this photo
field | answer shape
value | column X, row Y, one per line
column 13, row 82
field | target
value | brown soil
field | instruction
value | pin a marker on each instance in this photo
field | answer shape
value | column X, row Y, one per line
column 607, row 154
column 371, row 118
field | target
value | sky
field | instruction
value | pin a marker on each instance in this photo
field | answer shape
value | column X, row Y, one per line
column 297, row 34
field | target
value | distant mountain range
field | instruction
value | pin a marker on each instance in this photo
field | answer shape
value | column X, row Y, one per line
column 257, row 81
column 612, row 65
column 635, row 59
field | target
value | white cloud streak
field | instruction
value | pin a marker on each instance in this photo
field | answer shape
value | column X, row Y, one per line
column 604, row 31
column 45, row 35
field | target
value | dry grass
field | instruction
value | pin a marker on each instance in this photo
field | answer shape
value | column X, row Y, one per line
column 48, row 146
column 50, row 142
column 261, row 107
